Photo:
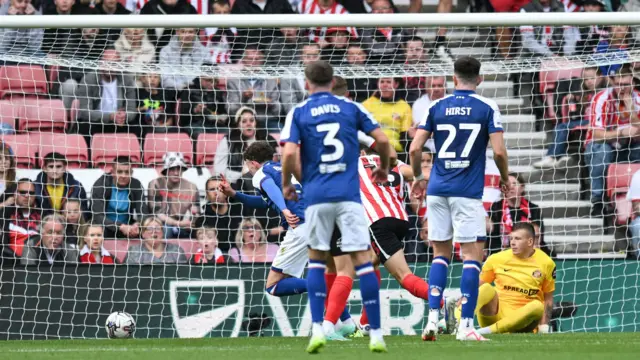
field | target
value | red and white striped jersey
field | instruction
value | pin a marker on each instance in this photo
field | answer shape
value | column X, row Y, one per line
column 381, row 201
column 219, row 43
column 570, row 6
column 313, row 7
column 136, row 5
column 608, row 112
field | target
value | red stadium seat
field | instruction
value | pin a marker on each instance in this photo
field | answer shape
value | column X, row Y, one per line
column 23, row 79
column 73, row 146
column 549, row 79
column 105, row 148
column 25, row 148
column 119, row 248
column 156, row 145
column 8, row 113
column 188, row 246
column 42, row 114
column 206, row 148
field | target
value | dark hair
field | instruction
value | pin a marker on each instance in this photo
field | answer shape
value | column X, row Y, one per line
column 54, row 156
column 526, row 226
column 212, row 178
column 310, row 43
column 259, row 151
column 414, row 38
column 625, row 70
column 518, row 177
column 220, row 2
column 122, row 160
column 339, row 86
column 467, row 69
column 367, row 150
column 319, row 73
column 24, row 180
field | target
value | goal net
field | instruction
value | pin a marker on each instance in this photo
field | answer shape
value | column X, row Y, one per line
column 116, row 139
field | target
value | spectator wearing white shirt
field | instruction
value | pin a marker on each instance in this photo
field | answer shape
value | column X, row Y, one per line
column 548, row 40
column 634, row 196
column 183, row 52
column 436, row 87
column 20, row 41
column 220, row 41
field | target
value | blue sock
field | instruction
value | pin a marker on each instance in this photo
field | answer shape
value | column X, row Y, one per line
column 345, row 314
column 469, row 287
column 437, row 281
column 370, row 291
column 316, row 289
column 288, row 286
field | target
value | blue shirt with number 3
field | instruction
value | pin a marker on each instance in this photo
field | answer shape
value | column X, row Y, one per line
column 326, row 128
column 460, row 124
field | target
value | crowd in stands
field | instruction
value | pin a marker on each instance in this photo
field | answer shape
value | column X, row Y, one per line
column 52, row 220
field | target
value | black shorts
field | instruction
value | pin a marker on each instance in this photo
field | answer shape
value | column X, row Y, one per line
column 387, row 235
column 336, row 243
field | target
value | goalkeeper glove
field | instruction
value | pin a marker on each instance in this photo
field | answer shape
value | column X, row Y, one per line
column 544, row 329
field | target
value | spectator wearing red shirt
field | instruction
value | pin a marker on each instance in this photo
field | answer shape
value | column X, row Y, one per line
column 384, row 44
column 414, row 56
column 634, row 196
column 208, row 253
column 614, row 132
column 92, row 251
column 20, row 217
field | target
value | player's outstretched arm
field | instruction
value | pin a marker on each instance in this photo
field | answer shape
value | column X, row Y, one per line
column 371, row 143
column 290, row 166
column 500, row 157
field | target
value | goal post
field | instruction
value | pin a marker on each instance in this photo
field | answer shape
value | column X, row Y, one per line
column 92, row 94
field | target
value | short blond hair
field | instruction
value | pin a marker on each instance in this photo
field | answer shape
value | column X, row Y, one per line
column 240, row 233
column 203, row 230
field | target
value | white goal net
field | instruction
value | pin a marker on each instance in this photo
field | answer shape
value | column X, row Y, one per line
column 117, row 131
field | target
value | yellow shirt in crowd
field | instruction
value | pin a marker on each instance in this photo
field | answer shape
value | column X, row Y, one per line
column 394, row 118
column 56, row 193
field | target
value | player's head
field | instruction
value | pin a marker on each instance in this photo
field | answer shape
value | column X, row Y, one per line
column 466, row 73
column 257, row 154
column 318, row 76
column 366, row 150
column 340, row 86
column 522, row 239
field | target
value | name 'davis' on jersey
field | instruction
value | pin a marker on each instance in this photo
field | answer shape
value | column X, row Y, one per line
column 325, row 109
column 458, row 111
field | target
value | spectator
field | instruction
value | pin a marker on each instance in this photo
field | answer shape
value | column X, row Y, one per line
column 414, row 55
column 615, row 47
column 160, row 37
column 614, row 132
column 203, row 108
column 634, row 227
column 436, row 88
column 283, row 51
column 259, row 36
column 26, row 42
column 323, row 7
column 54, row 186
column 184, row 51
column 216, row 214
column 61, row 41
column 384, row 44
column 7, row 174
column 221, row 41
column 156, row 105
column 111, row 7
column 548, row 40
column 73, row 219
column 335, row 50
column 93, row 43
column 514, row 208
column 91, row 245
column 154, row 249
column 107, row 100
column 262, row 95
column 228, row 159
column 208, row 253
column 292, row 89
column 392, row 112
column 49, row 247
column 426, row 164
column 251, row 244
column 117, row 201
column 590, row 36
column 172, row 199
column 20, row 217
column 360, row 88
column 133, row 47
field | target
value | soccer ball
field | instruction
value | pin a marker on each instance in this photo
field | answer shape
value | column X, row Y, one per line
column 120, row 325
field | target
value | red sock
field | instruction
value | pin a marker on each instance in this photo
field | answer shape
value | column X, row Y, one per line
column 338, row 298
column 329, row 279
column 364, row 320
column 416, row 286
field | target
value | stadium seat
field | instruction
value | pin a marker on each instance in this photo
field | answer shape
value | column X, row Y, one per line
column 549, row 79
column 25, row 148
column 8, row 113
column 119, row 248
column 188, row 246
column 106, row 147
column 156, row 145
column 23, row 80
column 73, row 146
column 618, row 181
column 42, row 114
column 206, row 148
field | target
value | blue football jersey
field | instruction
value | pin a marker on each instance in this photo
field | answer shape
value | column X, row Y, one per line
column 460, row 124
column 273, row 170
column 326, row 128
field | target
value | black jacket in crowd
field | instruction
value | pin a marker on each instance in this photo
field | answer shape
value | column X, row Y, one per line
column 101, row 195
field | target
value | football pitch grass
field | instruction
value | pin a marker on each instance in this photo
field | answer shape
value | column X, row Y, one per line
column 579, row 346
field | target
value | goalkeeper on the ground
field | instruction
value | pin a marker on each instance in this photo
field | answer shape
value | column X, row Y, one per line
column 521, row 299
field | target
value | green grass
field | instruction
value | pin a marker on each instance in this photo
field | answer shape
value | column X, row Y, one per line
column 502, row 347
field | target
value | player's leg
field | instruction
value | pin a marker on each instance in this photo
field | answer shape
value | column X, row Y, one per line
column 524, row 319
column 355, row 240
column 488, row 305
column 284, row 278
column 440, row 235
column 364, row 319
column 336, row 306
column 469, row 228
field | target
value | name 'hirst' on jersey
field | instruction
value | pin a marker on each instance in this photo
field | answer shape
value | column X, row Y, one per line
column 325, row 109
column 458, row 111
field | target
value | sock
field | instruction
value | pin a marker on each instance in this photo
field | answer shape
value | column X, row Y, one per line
column 345, row 317
column 288, row 286
column 329, row 279
column 316, row 289
column 338, row 298
column 328, row 327
column 364, row 319
column 370, row 290
column 469, row 288
column 485, row 330
column 416, row 286
column 437, row 281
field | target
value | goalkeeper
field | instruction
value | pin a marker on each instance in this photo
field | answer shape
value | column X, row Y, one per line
column 524, row 278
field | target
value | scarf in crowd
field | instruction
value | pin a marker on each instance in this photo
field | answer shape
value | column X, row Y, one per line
column 507, row 221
